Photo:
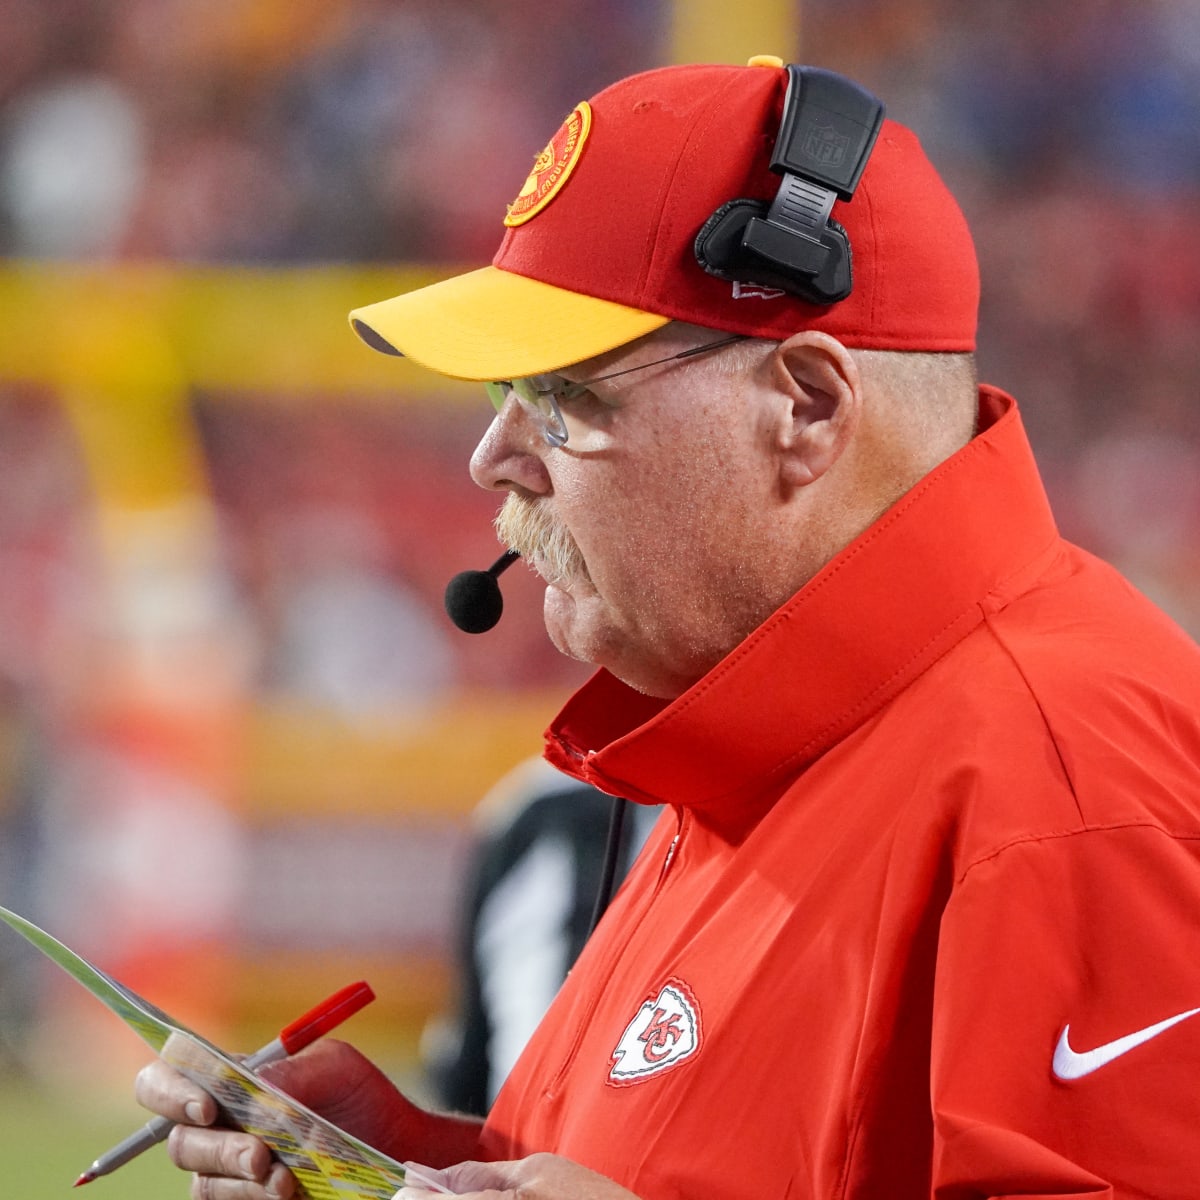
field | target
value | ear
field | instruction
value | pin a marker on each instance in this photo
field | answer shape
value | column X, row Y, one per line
column 818, row 379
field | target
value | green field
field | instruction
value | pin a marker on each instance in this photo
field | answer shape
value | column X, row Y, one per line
column 47, row 1140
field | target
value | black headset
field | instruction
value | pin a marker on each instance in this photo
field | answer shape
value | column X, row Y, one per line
column 827, row 133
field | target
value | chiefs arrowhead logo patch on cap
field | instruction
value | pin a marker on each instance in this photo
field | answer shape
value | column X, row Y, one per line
column 552, row 167
column 664, row 1032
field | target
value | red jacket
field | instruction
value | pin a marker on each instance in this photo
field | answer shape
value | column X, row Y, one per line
column 941, row 806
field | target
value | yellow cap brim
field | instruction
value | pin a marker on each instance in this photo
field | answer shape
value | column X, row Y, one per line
column 492, row 324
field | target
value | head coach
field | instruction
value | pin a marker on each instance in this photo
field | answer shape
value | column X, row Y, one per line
column 922, row 915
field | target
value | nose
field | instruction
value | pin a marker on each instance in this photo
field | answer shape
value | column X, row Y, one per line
column 509, row 454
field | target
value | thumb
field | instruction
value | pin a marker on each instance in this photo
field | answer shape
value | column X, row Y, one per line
column 481, row 1177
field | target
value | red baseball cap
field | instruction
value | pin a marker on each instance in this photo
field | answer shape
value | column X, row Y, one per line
column 599, row 245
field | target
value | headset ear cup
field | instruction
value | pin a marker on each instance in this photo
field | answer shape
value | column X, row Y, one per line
column 836, row 277
column 794, row 244
column 720, row 248
column 718, row 245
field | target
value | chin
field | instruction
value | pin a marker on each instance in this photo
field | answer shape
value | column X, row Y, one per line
column 581, row 628
column 579, row 625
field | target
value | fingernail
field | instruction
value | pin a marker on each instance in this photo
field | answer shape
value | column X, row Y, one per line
column 194, row 1111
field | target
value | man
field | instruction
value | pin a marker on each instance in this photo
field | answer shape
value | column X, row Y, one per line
column 921, row 915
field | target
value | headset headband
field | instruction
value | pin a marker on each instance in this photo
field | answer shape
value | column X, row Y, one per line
column 827, row 133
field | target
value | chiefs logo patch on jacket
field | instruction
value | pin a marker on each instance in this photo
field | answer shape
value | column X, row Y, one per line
column 665, row 1031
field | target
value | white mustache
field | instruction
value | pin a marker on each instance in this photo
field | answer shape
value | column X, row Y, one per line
column 529, row 527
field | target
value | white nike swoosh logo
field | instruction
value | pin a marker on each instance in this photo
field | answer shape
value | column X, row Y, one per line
column 1070, row 1065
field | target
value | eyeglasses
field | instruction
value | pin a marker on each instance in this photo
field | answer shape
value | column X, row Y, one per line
column 541, row 395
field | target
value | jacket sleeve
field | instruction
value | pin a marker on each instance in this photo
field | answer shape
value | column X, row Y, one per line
column 1066, row 1029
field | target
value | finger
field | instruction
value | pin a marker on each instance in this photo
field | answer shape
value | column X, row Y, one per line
column 279, row 1184
column 219, row 1152
column 425, row 1179
column 419, row 1192
column 467, row 1177
column 165, row 1091
column 472, row 1180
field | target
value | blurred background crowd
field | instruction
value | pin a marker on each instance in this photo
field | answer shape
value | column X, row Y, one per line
column 240, row 743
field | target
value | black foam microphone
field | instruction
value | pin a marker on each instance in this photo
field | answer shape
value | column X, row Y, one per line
column 473, row 601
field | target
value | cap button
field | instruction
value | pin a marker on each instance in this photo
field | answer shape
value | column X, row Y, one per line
column 765, row 60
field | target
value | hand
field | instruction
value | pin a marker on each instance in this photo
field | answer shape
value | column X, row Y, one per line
column 329, row 1077
column 538, row 1177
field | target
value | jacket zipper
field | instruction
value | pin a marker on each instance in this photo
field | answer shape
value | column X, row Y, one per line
column 598, row 994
